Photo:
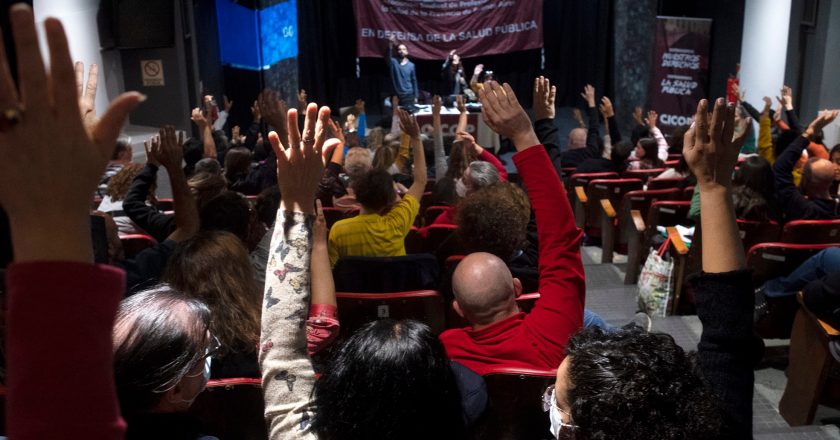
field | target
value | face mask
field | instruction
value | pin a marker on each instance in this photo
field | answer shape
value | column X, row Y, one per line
column 556, row 419
column 205, row 374
column 460, row 188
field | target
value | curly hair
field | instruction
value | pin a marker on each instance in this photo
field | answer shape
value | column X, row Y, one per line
column 494, row 219
column 460, row 158
column 214, row 266
column 631, row 384
column 119, row 184
column 375, row 189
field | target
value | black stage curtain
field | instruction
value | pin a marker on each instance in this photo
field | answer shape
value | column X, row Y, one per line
column 577, row 51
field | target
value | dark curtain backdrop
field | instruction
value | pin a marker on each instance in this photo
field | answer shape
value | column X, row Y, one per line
column 577, row 51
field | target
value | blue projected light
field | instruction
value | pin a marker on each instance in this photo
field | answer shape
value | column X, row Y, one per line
column 255, row 40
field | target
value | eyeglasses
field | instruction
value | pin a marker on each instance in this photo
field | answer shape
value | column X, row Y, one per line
column 549, row 400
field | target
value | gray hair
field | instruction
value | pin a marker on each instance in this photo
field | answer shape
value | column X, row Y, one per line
column 357, row 162
column 482, row 174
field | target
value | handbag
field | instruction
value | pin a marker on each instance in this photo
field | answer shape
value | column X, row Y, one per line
column 655, row 282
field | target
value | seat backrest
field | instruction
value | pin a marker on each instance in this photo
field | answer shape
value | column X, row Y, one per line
column 811, row 232
column 133, row 244
column 432, row 213
column 773, row 260
column 674, row 156
column 643, row 174
column 332, row 215
column 357, row 309
column 386, row 274
column 665, row 183
column 687, row 193
column 165, row 204
column 753, row 233
column 231, row 409
column 610, row 189
column 583, row 179
column 667, row 213
column 435, row 235
column 642, row 200
column 413, row 241
column 514, row 409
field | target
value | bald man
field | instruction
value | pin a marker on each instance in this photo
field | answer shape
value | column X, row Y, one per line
column 813, row 200
column 485, row 292
column 584, row 143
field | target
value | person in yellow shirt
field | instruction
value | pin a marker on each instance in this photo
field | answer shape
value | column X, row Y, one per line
column 379, row 231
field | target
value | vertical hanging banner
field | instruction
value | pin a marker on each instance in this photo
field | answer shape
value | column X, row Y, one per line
column 432, row 28
column 680, row 69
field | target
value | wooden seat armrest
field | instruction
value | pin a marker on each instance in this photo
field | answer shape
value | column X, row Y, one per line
column 826, row 327
column 677, row 241
column 581, row 194
column 638, row 221
column 608, row 208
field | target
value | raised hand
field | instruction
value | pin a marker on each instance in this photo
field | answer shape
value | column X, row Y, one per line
column 503, row 113
column 301, row 98
column 87, row 93
column 478, row 69
column 273, row 110
column 437, row 103
column 337, row 132
column 709, row 147
column 767, row 104
column 169, row 151
column 408, row 124
column 824, row 118
column 299, row 166
column 45, row 144
column 787, row 98
column 234, row 135
column 255, row 111
column 578, row 117
column 227, row 103
column 152, row 147
column 544, row 95
column 459, row 103
column 606, row 108
column 469, row 142
column 651, row 119
column 198, row 118
column 395, row 104
column 589, row 95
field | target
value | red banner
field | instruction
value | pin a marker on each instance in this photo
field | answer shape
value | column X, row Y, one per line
column 431, row 29
column 680, row 69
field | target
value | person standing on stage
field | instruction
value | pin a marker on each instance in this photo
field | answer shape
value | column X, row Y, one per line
column 403, row 74
column 453, row 74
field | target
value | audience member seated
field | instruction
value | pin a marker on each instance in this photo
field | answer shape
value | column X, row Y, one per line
column 163, row 355
column 645, row 385
column 366, row 380
column 213, row 267
column 479, row 174
column 241, row 178
column 812, row 200
column 357, row 163
column 644, row 156
column 680, row 171
column 380, row 229
column 121, row 157
column 584, row 143
column 484, row 289
column 209, row 166
column 776, row 290
column 115, row 192
column 753, row 191
column 617, row 163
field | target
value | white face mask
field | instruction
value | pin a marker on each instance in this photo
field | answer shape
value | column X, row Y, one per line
column 205, row 374
column 460, row 188
column 556, row 418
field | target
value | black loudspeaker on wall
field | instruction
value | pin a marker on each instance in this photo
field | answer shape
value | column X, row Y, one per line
column 136, row 24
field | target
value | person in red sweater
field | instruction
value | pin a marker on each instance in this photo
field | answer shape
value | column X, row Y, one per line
column 485, row 292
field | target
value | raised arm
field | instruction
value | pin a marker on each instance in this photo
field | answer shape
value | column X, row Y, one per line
column 273, row 111
column 544, row 126
column 765, row 138
column 437, row 137
column 205, row 130
column 168, row 151
column 157, row 224
column 608, row 112
column 462, row 114
column 661, row 143
column 50, row 233
column 593, row 137
column 787, row 103
column 724, row 292
column 481, row 153
column 409, row 126
column 322, row 325
column 287, row 373
column 559, row 312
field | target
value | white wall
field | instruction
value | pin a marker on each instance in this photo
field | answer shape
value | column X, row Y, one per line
column 764, row 48
column 79, row 20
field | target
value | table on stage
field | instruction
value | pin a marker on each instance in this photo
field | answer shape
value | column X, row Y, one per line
column 476, row 126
